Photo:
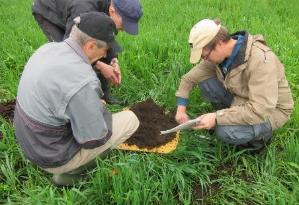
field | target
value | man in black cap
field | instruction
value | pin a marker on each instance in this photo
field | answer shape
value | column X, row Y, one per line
column 55, row 17
column 60, row 121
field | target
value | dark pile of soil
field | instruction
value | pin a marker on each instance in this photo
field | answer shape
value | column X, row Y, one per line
column 7, row 110
column 152, row 120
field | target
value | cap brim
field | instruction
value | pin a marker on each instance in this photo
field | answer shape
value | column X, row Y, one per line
column 195, row 55
column 115, row 47
column 131, row 27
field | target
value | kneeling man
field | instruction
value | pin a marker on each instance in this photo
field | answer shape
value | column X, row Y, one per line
column 60, row 121
column 245, row 81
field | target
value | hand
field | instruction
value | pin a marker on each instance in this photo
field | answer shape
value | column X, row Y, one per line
column 207, row 121
column 115, row 65
column 108, row 72
column 181, row 115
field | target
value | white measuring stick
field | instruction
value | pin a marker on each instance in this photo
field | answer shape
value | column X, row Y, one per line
column 188, row 124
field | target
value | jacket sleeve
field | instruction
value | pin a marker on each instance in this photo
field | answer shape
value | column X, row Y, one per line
column 204, row 70
column 263, row 92
column 90, row 121
column 110, row 55
column 78, row 7
column 75, row 9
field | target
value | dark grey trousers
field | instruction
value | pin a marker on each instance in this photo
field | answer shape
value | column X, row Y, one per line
column 244, row 136
column 52, row 31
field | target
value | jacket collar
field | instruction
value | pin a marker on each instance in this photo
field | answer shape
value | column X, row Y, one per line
column 77, row 49
column 242, row 56
column 245, row 50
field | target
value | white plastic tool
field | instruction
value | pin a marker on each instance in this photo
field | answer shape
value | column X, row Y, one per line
column 186, row 125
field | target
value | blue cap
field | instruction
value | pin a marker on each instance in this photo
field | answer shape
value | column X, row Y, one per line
column 130, row 12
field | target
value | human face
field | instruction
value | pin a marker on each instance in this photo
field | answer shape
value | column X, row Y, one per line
column 206, row 52
column 100, row 52
column 117, row 19
column 215, row 55
column 95, row 53
column 118, row 22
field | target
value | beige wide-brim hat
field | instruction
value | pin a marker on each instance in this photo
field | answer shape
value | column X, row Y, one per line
column 201, row 35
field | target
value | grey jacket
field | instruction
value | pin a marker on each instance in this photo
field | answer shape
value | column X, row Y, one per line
column 58, row 108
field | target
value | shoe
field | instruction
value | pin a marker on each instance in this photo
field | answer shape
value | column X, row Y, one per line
column 67, row 179
column 79, row 174
column 110, row 99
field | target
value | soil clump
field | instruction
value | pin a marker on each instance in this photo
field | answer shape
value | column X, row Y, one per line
column 7, row 110
column 152, row 119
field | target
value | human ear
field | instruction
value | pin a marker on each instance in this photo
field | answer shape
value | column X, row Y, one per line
column 111, row 10
column 91, row 45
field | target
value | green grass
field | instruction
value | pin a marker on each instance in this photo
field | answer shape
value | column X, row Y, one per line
column 200, row 171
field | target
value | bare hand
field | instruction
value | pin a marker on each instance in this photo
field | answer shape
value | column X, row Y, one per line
column 181, row 115
column 109, row 72
column 207, row 121
column 116, row 70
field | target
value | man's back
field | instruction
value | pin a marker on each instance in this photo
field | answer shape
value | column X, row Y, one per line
column 50, row 78
column 60, row 12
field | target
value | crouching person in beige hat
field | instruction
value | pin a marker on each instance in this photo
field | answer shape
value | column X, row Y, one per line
column 242, row 77
column 60, row 122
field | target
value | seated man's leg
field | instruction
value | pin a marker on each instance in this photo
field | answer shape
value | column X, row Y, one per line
column 214, row 92
column 246, row 136
column 124, row 124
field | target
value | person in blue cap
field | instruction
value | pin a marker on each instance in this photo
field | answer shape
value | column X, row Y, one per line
column 55, row 18
column 60, row 121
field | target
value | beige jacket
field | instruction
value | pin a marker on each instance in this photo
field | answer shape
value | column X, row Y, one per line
column 258, row 83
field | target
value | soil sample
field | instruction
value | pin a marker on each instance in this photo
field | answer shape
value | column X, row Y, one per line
column 7, row 110
column 152, row 119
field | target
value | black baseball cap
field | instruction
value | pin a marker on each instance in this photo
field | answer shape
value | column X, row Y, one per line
column 99, row 26
column 130, row 12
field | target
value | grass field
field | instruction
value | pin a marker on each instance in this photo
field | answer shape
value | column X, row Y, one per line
column 200, row 171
